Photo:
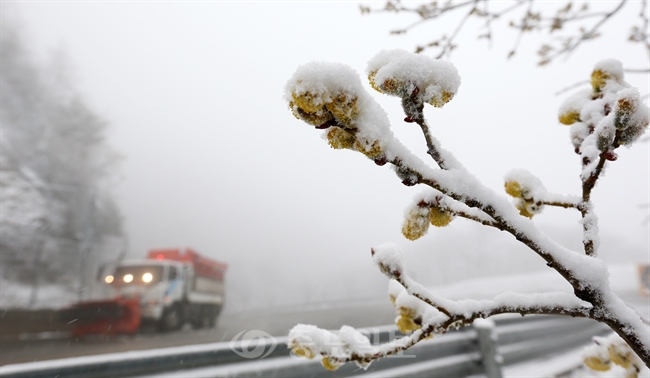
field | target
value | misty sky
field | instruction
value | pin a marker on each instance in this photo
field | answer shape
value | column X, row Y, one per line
column 214, row 160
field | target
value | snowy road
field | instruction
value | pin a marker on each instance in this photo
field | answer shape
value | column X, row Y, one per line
column 277, row 323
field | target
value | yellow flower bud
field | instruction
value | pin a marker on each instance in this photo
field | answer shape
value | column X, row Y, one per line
column 303, row 351
column 344, row 109
column 339, row 138
column 372, row 151
column 595, row 363
column 620, row 359
column 514, row 189
column 439, row 101
column 416, row 223
column 406, row 324
column 523, row 207
column 307, row 102
column 317, row 110
column 330, row 364
column 439, row 217
column 599, row 80
column 316, row 118
column 569, row 118
column 371, row 80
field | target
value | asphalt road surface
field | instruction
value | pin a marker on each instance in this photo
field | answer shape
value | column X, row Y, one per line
column 276, row 323
column 368, row 314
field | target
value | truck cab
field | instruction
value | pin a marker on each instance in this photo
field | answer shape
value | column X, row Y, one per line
column 172, row 288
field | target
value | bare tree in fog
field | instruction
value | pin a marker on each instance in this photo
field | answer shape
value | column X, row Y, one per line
column 57, row 215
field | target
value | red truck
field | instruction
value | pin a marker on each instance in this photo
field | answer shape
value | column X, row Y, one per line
column 168, row 288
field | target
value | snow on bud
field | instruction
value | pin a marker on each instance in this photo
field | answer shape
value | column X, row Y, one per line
column 520, row 183
column 416, row 223
column 395, row 289
column 514, row 189
column 596, row 357
column 597, row 364
column 309, row 341
column 317, row 118
column 620, row 355
column 423, row 213
column 605, row 134
column 406, row 322
column 355, row 342
column 388, row 257
column 527, row 209
column 340, row 139
column 409, row 309
column 527, row 190
column 304, row 352
column 407, row 75
column 612, row 349
column 631, row 116
column 605, row 71
column 320, row 92
column 578, row 133
column 331, row 363
column 569, row 112
column 371, row 149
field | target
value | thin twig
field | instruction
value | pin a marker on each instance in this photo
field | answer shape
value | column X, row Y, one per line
column 585, row 36
column 565, row 205
column 465, row 215
column 522, row 29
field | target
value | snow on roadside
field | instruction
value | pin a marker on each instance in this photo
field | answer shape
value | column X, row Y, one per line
column 14, row 295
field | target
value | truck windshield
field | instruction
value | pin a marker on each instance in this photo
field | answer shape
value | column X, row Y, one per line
column 139, row 275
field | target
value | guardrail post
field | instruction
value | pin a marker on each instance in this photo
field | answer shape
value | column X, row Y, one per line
column 487, row 340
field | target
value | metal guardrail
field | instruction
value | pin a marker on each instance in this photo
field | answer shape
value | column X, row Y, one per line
column 455, row 354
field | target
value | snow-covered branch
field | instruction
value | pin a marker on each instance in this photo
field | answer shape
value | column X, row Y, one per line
column 330, row 96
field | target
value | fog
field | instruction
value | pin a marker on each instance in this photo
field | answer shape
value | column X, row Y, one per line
column 214, row 160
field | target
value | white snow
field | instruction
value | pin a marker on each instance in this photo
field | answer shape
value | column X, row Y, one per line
column 612, row 67
column 431, row 77
column 388, row 257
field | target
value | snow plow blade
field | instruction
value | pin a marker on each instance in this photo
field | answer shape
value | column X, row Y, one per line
column 103, row 317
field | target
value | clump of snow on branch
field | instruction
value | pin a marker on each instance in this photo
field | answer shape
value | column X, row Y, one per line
column 412, row 312
column 333, row 348
column 530, row 195
column 330, row 96
column 609, row 115
column 401, row 73
column 389, row 259
column 527, row 190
